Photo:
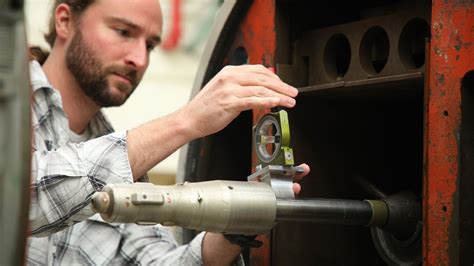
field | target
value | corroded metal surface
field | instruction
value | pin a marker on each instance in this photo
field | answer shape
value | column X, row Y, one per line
column 259, row 39
column 451, row 57
column 381, row 116
column 258, row 33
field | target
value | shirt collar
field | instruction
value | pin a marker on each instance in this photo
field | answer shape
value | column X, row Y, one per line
column 38, row 77
column 40, row 84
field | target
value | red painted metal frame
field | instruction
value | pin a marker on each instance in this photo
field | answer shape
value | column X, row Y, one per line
column 451, row 57
column 258, row 36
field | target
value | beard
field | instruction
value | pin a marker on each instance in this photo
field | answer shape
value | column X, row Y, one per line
column 91, row 75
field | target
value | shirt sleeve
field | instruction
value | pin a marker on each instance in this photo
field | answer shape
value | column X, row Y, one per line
column 155, row 245
column 64, row 180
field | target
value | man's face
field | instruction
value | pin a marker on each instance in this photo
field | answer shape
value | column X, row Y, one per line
column 92, row 76
column 109, row 51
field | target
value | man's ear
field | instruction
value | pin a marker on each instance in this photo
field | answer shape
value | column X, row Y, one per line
column 63, row 21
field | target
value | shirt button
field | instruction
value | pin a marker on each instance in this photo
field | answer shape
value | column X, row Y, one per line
column 55, row 97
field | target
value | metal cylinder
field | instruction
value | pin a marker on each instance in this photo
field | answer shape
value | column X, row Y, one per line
column 227, row 207
column 333, row 211
column 216, row 206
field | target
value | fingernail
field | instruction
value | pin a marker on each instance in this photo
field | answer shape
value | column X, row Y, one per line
column 291, row 102
column 294, row 90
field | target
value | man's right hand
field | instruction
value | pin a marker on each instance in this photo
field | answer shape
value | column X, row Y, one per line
column 233, row 90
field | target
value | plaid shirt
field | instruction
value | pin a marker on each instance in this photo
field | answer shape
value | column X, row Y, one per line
column 64, row 177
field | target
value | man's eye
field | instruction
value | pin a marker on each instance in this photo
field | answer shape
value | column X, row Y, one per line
column 123, row 32
column 150, row 47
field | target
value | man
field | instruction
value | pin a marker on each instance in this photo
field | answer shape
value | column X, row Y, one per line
column 100, row 51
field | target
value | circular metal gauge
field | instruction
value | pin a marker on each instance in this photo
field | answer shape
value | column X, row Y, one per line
column 268, row 139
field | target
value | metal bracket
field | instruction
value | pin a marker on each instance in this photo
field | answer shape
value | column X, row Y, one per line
column 279, row 177
column 275, row 157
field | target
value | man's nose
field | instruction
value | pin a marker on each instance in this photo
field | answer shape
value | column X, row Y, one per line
column 137, row 56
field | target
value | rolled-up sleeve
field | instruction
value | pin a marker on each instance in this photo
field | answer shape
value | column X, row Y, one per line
column 63, row 180
column 155, row 245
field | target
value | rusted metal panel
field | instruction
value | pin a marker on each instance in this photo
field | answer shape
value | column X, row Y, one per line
column 258, row 37
column 258, row 32
column 451, row 57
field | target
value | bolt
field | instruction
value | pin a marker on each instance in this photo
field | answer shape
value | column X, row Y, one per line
column 199, row 199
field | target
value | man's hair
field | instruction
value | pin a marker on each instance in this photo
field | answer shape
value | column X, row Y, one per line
column 77, row 8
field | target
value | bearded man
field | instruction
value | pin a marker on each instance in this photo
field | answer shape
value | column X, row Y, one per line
column 99, row 52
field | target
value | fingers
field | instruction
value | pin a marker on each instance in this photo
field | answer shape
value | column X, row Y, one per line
column 258, row 75
column 233, row 90
column 256, row 79
column 253, row 87
column 262, row 92
column 296, row 188
column 255, row 102
column 306, row 171
column 254, row 69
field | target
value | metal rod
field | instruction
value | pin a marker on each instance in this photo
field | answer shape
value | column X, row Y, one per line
column 331, row 211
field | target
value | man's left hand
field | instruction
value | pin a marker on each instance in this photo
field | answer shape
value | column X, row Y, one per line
column 298, row 177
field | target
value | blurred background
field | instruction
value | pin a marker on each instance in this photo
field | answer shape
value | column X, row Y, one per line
column 167, row 83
